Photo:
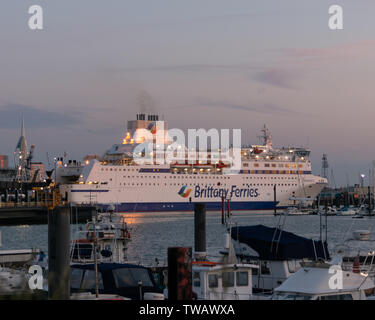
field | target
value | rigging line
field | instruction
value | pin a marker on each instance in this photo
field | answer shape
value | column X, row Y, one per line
column 345, row 234
column 351, row 226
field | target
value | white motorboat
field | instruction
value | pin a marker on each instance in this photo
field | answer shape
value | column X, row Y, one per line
column 329, row 211
column 347, row 211
column 325, row 281
column 109, row 232
column 295, row 211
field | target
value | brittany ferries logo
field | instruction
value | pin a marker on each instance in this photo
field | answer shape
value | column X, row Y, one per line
column 212, row 192
column 183, row 192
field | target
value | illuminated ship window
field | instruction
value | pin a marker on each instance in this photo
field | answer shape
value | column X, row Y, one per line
column 256, row 164
column 273, row 165
column 267, row 165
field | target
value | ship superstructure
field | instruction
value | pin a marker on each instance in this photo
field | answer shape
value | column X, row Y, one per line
column 119, row 180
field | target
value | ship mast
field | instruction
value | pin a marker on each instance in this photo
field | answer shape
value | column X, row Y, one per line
column 267, row 137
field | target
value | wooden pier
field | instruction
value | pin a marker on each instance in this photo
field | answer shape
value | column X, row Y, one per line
column 37, row 213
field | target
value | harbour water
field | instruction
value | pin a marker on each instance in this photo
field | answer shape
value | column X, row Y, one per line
column 153, row 233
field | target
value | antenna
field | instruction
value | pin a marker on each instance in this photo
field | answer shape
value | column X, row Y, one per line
column 333, row 178
column 325, row 166
column 266, row 137
column 49, row 164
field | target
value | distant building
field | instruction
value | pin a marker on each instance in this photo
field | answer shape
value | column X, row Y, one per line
column 38, row 170
column 351, row 195
column 3, row 162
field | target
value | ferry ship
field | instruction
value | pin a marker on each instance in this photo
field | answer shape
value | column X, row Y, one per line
column 117, row 179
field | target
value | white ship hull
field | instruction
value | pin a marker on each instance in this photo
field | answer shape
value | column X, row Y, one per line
column 155, row 188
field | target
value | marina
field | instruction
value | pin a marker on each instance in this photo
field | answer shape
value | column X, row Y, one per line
column 91, row 236
column 186, row 158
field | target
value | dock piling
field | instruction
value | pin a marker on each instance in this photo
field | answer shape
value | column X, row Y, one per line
column 58, row 253
column 180, row 274
column 200, row 231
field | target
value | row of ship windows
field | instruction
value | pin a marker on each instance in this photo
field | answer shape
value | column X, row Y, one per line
column 120, row 169
column 246, row 164
column 208, row 184
column 158, row 177
column 205, row 177
column 273, row 165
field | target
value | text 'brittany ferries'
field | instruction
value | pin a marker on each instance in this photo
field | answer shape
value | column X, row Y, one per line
column 212, row 192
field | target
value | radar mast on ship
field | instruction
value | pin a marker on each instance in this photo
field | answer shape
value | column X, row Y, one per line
column 267, row 137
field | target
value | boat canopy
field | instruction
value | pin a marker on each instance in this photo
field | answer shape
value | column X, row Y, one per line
column 270, row 245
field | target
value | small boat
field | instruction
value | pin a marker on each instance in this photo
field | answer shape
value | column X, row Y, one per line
column 321, row 281
column 346, row 211
column 109, row 232
column 296, row 211
column 123, row 280
column 329, row 211
column 277, row 253
column 18, row 257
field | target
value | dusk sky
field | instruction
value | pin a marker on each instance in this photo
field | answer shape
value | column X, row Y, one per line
column 201, row 64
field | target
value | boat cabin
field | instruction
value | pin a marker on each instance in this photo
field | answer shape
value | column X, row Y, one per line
column 215, row 281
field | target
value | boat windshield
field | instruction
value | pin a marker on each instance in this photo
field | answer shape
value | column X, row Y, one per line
column 129, row 277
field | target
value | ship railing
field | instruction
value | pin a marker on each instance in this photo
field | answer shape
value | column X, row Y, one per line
column 31, row 204
column 39, row 204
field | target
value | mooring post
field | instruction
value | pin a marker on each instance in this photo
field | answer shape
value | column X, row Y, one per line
column 16, row 197
column 179, row 274
column 200, row 231
column 58, row 253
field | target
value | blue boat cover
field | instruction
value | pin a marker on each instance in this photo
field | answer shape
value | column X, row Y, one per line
column 265, row 241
